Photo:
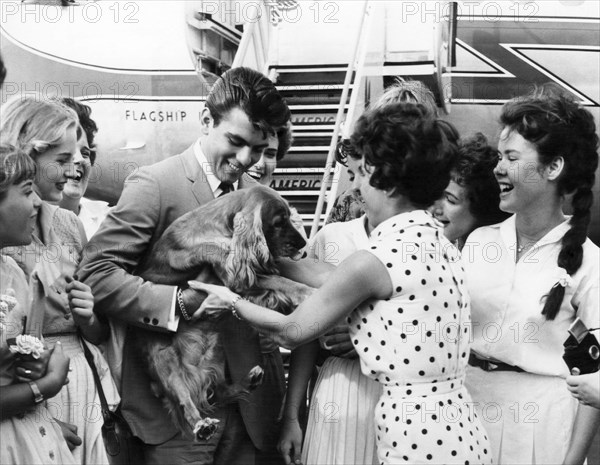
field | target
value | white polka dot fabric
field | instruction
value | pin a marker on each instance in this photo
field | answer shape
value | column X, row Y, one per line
column 416, row 343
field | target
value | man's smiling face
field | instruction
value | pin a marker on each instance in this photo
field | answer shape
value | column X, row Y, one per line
column 232, row 146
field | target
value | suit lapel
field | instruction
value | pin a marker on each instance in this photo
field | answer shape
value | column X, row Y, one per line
column 196, row 177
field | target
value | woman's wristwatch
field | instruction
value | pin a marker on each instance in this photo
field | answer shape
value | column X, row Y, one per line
column 38, row 397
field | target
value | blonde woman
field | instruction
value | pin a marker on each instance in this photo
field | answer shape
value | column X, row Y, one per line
column 48, row 132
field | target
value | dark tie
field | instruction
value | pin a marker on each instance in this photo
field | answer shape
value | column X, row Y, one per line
column 226, row 188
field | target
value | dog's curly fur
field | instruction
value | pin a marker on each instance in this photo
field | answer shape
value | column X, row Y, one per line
column 233, row 240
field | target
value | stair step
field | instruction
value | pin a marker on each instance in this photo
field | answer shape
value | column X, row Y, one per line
column 313, row 94
column 317, row 169
column 312, row 87
column 301, row 141
column 302, row 130
column 307, row 75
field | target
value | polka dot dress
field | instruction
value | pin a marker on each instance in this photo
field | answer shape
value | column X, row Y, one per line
column 416, row 343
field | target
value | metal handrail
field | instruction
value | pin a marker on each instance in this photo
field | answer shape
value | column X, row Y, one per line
column 340, row 114
column 256, row 32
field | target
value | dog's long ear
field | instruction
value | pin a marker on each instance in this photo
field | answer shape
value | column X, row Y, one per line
column 248, row 250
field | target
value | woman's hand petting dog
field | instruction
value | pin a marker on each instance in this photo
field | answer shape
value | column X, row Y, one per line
column 218, row 301
column 193, row 299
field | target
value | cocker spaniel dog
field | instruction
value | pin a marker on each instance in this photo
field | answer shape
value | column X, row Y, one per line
column 234, row 240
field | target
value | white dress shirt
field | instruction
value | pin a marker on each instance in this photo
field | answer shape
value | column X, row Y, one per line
column 507, row 298
column 212, row 179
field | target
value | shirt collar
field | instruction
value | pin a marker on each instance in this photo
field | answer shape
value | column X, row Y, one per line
column 213, row 181
column 508, row 231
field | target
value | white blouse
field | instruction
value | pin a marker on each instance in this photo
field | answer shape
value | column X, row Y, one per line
column 92, row 214
column 507, row 298
column 337, row 241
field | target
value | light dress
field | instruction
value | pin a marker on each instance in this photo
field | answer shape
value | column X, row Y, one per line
column 529, row 415
column 340, row 428
column 92, row 214
column 32, row 437
column 47, row 263
column 416, row 344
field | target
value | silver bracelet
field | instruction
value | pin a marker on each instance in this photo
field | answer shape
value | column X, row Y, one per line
column 232, row 307
column 182, row 309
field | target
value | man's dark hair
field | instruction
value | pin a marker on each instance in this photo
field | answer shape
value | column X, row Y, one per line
column 252, row 92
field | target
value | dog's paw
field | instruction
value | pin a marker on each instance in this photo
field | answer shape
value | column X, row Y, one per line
column 255, row 377
column 205, row 429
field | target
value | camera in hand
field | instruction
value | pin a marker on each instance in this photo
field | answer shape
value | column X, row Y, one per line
column 582, row 349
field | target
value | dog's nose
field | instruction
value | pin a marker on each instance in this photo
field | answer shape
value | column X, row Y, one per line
column 299, row 241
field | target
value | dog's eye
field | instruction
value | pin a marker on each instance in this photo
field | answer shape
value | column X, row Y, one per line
column 279, row 222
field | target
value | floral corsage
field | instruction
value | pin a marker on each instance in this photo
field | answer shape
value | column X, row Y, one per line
column 26, row 344
column 7, row 303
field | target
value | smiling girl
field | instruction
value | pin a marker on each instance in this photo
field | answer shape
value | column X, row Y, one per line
column 471, row 197
column 91, row 213
column 48, row 132
column 27, row 432
column 530, row 277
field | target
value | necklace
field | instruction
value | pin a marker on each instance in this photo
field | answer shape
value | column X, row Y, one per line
column 525, row 243
column 525, row 246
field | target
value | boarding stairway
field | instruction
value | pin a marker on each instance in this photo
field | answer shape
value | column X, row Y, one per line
column 313, row 94
column 328, row 72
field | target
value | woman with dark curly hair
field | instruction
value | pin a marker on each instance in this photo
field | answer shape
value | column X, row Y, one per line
column 471, row 197
column 529, row 278
column 279, row 144
column 90, row 212
column 348, row 206
column 405, row 286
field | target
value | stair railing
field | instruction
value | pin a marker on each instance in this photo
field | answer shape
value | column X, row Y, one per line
column 358, row 64
column 253, row 50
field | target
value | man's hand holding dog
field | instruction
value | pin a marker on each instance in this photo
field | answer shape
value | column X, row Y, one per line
column 192, row 300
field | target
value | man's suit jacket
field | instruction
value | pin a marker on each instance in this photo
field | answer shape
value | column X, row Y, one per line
column 152, row 199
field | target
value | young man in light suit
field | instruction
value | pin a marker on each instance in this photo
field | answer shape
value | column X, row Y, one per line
column 242, row 108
